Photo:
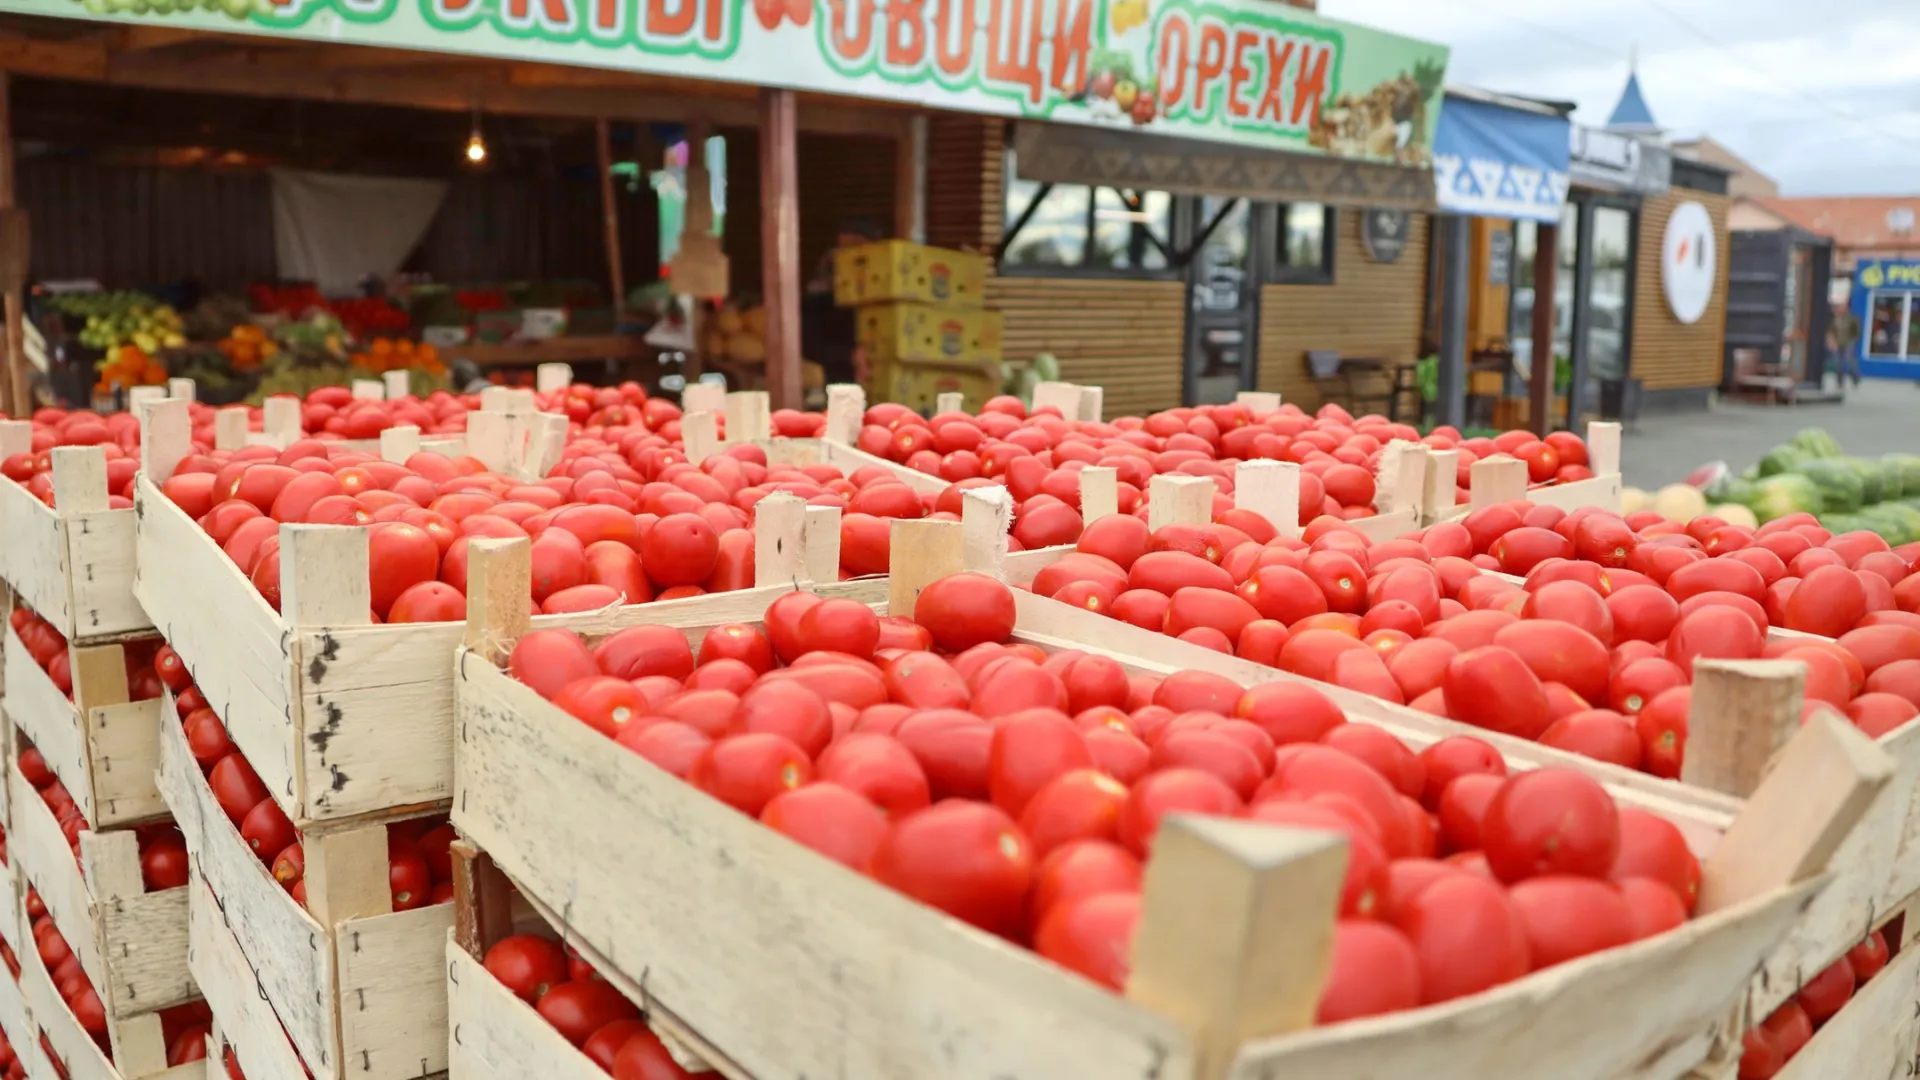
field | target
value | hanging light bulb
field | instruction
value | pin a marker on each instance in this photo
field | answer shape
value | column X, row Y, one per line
column 476, row 146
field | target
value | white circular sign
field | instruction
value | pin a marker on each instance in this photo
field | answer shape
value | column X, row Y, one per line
column 1689, row 263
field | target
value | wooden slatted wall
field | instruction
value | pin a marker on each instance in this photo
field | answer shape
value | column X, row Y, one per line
column 1668, row 354
column 1371, row 310
column 1124, row 336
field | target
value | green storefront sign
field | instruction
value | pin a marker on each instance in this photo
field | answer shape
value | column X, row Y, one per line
column 1246, row 72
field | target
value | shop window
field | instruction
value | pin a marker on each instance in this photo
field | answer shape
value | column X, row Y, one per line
column 1303, row 244
column 1612, row 241
column 1894, row 333
column 1076, row 229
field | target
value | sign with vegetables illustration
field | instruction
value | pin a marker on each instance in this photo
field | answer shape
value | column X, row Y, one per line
column 1248, row 72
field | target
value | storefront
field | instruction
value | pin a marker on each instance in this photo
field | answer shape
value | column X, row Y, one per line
column 1886, row 306
column 1167, row 110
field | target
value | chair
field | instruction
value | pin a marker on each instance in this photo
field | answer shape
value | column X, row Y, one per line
column 1338, row 378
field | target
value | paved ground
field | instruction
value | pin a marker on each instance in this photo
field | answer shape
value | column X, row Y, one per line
column 1879, row 417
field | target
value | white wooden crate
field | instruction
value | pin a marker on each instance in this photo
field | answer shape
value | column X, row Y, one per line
column 1876, row 1034
column 76, row 1048
column 14, row 1020
column 912, row 990
column 360, row 988
column 131, row 943
column 493, row 1035
column 73, row 565
column 242, row 1016
column 101, row 745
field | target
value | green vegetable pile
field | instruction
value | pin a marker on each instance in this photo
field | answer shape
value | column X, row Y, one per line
column 1810, row 473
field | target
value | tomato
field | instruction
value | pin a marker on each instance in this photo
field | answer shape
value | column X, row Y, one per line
column 1879, row 646
column 639, row 651
column 1550, row 821
column 1305, row 772
column 1559, row 652
column 669, row 745
column 1492, row 687
column 1789, row 1028
column 1029, row 750
column 236, row 787
column 1283, row 594
column 1141, row 607
column 527, row 965
column 163, row 863
column 746, row 771
column 1466, row 935
column 1091, row 936
column 267, row 830
column 548, row 660
column 1867, row 958
column 837, row 625
column 1374, row 971
column 680, row 549
column 1825, row 993
column 1385, row 753
column 1662, row 726
column 1760, row 1056
column 1651, row 847
column 290, row 866
column 964, row 610
column 1520, row 550
column 1364, row 888
column 832, row 820
column 1340, row 578
column 603, row 1046
column 965, row 858
column 1171, row 791
column 1168, row 571
column 645, row 1057
column 1601, row 734
column 172, row 670
column 1570, row 917
column 602, row 702
column 879, row 769
column 1190, row 607
column 954, row 749
column 1605, row 540
column 1829, row 601
column 408, row 877
column 1638, row 682
column 1211, row 752
column 1453, row 757
column 207, row 738
column 578, row 1009
column 1079, row 868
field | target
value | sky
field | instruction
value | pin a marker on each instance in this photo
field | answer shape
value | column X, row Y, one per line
column 1825, row 98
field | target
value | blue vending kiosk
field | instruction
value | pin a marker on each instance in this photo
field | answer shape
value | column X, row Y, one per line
column 1886, row 303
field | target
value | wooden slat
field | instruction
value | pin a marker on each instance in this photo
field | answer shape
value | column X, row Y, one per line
column 1668, row 354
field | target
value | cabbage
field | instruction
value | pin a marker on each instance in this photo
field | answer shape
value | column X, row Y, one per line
column 1788, row 493
column 1902, row 475
column 1815, row 443
column 1841, row 489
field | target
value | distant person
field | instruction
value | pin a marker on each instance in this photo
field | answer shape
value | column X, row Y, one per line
column 827, row 330
column 1841, row 335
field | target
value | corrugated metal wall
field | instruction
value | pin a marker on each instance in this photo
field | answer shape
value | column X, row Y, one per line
column 145, row 226
column 132, row 226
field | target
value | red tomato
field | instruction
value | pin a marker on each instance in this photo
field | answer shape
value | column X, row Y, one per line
column 527, row 965
column 1551, row 821
column 1829, row 601
column 236, row 787
column 830, row 819
column 1492, row 687
column 1717, row 633
column 1825, row 993
column 1029, row 750
column 639, row 651
column 578, row 1009
column 879, row 769
column 267, row 830
column 1374, row 971
column 1662, row 726
column 163, row 862
column 954, row 749
column 963, row 610
column 1867, row 958
column 548, row 660
column 1171, row 791
column 1080, row 868
column 645, row 1057
column 1789, row 1028
column 1760, row 1057
column 843, row 626
column 1466, row 935
column 1601, row 734
column 747, row 771
column 967, row 859
column 1091, row 935
column 1453, row 757
column 1638, row 682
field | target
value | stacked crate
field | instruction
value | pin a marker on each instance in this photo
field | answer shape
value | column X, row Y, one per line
column 919, row 318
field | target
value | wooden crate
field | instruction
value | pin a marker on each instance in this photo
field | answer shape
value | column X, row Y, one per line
column 911, row 992
column 14, row 1020
column 359, row 988
column 73, row 565
column 146, row 1060
column 495, row 1036
column 100, row 744
column 131, row 943
column 1876, row 1034
column 1504, row 479
column 242, row 1017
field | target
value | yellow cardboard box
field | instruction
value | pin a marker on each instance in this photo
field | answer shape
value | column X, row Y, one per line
column 922, row 332
column 918, row 386
column 898, row 270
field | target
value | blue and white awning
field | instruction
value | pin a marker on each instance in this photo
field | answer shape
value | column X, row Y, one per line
column 1499, row 161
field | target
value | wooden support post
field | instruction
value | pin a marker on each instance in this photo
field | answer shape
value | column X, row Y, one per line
column 1442, row 485
column 920, row 552
column 846, row 412
column 482, row 900
column 703, row 397
column 1179, row 500
column 499, row 606
column 822, row 540
column 1272, row 490
column 1603, row 447
column 700, row 435
column 1236, row 931
column 1495, row 480
column 1742, row 713
column 910, row 182
column 780, row 245
column 779, row 540
column 985, row 516
column 1099, row 493
column 610, row 214
column 1546, row 258
column 1258, row 402
column 1824, row 783
column 13, row 267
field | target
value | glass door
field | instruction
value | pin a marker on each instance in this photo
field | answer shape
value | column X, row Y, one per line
column 1222, row 294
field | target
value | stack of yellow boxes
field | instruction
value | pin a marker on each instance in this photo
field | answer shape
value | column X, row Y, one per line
column 920, row 320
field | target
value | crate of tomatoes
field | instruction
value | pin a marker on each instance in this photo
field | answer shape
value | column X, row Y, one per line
column 932, row 789
column 67, row 549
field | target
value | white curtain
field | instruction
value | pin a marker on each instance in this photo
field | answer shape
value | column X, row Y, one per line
column 335, row 229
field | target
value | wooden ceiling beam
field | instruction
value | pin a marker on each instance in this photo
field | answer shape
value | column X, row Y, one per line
column 133, row 39
column 85, row 61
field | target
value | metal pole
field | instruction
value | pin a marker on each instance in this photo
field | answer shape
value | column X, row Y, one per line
column 1583, row 313
column 1452, row 402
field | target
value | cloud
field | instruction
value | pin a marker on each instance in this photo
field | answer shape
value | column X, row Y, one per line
column 1825, row 105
